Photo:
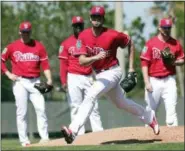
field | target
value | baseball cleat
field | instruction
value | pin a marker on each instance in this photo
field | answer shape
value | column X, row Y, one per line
column 155, row 126
column 25, row 144
column 68, row 135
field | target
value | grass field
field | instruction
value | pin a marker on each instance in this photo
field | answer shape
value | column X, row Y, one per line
column 12, row 144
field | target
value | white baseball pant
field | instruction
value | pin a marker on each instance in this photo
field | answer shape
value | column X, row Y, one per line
column 23, row 89
column 77, row 89
column 164, row 89
column 107, row 82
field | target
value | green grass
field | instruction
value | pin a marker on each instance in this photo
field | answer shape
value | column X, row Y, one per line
column 10, row 144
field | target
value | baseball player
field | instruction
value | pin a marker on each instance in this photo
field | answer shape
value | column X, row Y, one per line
column 27, row 55
column 97, row 46
column 159, row 76
column 76, row 78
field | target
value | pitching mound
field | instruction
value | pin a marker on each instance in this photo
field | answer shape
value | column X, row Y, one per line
column 125, row 135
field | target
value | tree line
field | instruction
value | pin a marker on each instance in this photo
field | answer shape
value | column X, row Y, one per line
column 51, row 23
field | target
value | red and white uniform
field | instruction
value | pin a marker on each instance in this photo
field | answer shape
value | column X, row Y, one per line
column 109, row 41
column 151, row 56
column 66, row 52
column 26, row 61
column 107, row 77
column 78, row 79
column 162, row 77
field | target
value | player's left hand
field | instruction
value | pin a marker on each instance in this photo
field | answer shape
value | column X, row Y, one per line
column 131, row 70
column 167, row 57
column 148, row 87
column 64, row 87
column 129, row 82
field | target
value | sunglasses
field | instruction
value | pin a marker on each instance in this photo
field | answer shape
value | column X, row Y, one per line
column 24, row 32
column 166, row 27
column 78, row 25
column 94, row 17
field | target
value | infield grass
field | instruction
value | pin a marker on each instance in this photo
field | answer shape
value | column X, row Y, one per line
column 12, row 144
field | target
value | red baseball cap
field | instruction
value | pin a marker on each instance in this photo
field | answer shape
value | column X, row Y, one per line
column 77, row 19
column 25, row 26
column 97, row 10
column 165, row 22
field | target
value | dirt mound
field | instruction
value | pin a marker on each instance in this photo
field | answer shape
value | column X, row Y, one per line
column 125, row 135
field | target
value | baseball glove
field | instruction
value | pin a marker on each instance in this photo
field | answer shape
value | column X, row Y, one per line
column 167, row 57
column 43, row 87
column 129, row 82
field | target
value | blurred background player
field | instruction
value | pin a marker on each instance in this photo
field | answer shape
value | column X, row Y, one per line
column 27, row 55
column 159, row 78
column 76, row 78
column 97, row 46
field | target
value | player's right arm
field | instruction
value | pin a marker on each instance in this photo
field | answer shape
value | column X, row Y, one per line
column 86, row 61
column 145, row 60
column 81, row 51
column 63, row 56
column 4, row 57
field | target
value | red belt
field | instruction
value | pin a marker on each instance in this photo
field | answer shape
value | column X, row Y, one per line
column 28, row 77
column 161, row 77
column 98, row 71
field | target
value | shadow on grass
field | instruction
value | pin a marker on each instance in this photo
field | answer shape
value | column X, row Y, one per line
column 132, row 141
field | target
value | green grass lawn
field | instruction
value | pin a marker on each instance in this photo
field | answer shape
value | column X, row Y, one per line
column 12, row 144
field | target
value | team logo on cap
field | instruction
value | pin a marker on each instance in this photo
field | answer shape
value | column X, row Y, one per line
column 167, row 22
column 97, row 9
column 26, row 26
column 78, row 18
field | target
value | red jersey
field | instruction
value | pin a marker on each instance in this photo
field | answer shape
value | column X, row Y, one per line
column 151, row 56
column 25, row 58
column 109, row 40
column 67, row 49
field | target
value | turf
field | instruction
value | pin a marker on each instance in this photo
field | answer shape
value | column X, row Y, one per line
column 9, row 144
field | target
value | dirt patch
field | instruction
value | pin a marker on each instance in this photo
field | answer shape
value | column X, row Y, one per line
column 125, row 135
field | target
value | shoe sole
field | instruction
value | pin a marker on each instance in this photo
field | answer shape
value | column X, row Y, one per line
column 157, row 133
column 158, row 129
column 66, row 135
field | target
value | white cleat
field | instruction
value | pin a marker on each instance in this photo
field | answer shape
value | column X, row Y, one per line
column 154, row 125
column 25, row 144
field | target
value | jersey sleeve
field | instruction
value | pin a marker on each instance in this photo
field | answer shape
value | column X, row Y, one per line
column 146, row 55
column 180, row 52
column 80, row 48
column 63, row 51
column 6, row 53
column 44, row 58
column 123, row 39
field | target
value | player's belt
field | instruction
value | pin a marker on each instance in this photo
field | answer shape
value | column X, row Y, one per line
column 28, row 77
column 161, row 77
column 98, row 71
